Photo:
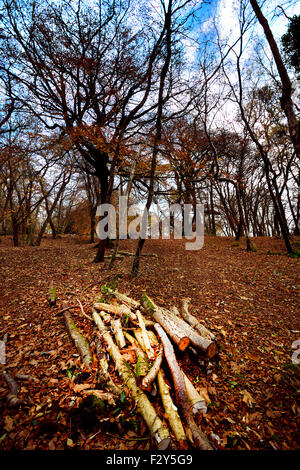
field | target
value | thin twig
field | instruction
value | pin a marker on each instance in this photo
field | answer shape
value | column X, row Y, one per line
column 82, row 311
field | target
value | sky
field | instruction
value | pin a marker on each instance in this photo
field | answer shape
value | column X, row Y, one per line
column 225, row 13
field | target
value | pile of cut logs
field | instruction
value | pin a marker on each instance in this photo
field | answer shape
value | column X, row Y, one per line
column 152, row 331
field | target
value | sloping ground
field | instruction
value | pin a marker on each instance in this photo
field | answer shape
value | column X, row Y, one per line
column 248, row 300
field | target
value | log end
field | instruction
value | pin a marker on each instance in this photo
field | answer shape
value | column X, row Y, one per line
column 183, row 343
column 212, row 350
column 163, row 444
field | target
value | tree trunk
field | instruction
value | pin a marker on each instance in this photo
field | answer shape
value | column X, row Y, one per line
column 286, row 102
column 15, row 232
column 158, row 134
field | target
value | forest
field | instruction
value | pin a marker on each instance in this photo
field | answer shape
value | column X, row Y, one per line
column 134, row 342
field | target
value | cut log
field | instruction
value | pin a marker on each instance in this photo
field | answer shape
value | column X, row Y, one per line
column 79, row 340
column 192, row 320
column 121, row 311
column 199, row 440
column 171, row 411
column 178, row 335
column 153, row 339
column 157, row 429
column 197, row 400
column 150, row 377
column 180, row 332
column 118, row 332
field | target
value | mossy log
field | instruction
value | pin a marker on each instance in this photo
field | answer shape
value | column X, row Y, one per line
column 153, row 372
column 79, row 340
column 123, row 298
column 52, row 295
column 148, row 348
column 118, row 332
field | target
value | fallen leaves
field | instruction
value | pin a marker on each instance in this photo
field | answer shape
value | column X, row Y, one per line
column 253, row 322
column 247, row 398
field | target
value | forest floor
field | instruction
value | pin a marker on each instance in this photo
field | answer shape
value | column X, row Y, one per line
column 249, row 300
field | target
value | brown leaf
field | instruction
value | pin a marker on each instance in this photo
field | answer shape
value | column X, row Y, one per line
column 247, row 398
column 8, row 424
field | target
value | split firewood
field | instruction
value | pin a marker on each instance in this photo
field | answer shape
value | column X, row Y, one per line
column 148, row 349
column 180, row 332
column 197, row 400
column 153, row 340
column 103, row 377
column 121, row 311
column 118, row 332
column 199, row 440
column 192, row 320
column 12, row 397
column 178, row 335
column 157, row 429
column 150, row 377
column 171, row 411
column 142, row 364
column 79, row 340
